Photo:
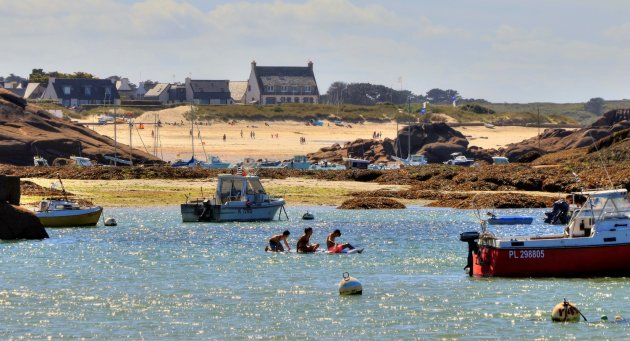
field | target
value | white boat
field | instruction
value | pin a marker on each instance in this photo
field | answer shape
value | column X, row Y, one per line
column 39, row 161
column 412, row 160
column 298, row 162
column 458, row 159
column 237, row 198
column 61, row 212
column 489, row 125
column 214, row 162
column 500, row 160
column 81, row 161
column 325, row 165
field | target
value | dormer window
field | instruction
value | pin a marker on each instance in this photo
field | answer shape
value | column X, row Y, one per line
column 108, row 91
column 285, row 88
column 88, row 91
column 66, row 90
column 307, row 89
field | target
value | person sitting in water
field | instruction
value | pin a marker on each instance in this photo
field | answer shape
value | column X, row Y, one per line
column 333, row 247
column 274, row 242
column 303, row 245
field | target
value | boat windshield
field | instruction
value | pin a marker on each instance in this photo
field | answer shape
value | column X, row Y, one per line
column 609, row 205
column 231, row 188
column 254, row 186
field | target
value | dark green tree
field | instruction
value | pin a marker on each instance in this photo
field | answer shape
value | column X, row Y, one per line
column 595, row 105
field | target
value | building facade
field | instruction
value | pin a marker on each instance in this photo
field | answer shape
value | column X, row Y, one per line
column 81, row 91
column 281, row 84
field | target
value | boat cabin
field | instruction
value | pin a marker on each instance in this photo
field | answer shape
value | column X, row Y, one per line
column 598, row 207
column 240, row 188
column 357, row 164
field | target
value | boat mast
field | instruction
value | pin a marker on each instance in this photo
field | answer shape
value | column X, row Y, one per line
column 192, row 130
column 409, row 131
column 115, row 140
column 130, row 148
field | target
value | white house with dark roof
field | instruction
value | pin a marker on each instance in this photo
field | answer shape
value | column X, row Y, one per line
column 282, row 84
column 81, row 91
column 208, row 91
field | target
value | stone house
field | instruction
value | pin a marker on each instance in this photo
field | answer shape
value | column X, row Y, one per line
column 281, row 84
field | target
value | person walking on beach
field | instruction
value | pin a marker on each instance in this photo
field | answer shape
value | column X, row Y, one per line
column 274, row 242
column 241, row 133
column 333, row 247
column 303, row 245
column 224, row 137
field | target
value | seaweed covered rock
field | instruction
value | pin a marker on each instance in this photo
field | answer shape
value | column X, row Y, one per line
column 367, row 203
column 19, row 223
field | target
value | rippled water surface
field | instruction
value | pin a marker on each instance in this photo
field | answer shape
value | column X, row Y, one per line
column 154, row 277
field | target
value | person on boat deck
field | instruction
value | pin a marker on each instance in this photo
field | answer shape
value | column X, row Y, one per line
column 274, row 242
column 303, row 245
column 332, row 246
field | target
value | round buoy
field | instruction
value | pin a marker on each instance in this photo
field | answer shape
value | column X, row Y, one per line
column 110, row 222
column 350, row 285
column 565, row 312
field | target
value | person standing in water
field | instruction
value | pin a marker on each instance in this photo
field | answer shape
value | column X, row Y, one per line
column 333, row 247
column 303, row 245
column 274, row 242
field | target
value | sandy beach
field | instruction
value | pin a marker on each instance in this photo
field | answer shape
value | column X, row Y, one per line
column 176, row 139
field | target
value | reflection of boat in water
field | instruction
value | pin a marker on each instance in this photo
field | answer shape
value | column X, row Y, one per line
column 237, row 198
column 595, row 242
column 457, row 159
column 58, row 212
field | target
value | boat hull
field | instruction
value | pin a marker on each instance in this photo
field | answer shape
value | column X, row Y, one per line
column 584, row 261
column 510, row 220
column 70, row 218
column 193, row 212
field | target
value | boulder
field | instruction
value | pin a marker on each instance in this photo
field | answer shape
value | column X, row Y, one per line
column 19, row 223
column 440, row 151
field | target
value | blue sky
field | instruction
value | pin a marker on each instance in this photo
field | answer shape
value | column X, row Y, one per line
column 500, row 50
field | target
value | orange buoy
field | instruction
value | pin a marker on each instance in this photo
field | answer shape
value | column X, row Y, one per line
column 566, row 312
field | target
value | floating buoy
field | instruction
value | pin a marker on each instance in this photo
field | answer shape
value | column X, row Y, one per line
column 110, row 222
column 350, row 285
column 566, row 312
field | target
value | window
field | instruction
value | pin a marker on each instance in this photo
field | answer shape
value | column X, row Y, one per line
column 108, row 91
column 270, row 100
column 268, row 88
column 295, row 89
column 296, row 100
column 307, row 89
column 285, row 88
column 88, row 91
column 66, row 90
column 249, row 87
column 305, row 100
column 288, row 99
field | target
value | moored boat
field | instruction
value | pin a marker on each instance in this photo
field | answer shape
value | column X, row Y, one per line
column 237, row 198
column 595, row 242
column 457, row 159
column 61, row 212
column 509, row 220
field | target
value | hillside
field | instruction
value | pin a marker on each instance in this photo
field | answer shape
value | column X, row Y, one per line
column 26, row 131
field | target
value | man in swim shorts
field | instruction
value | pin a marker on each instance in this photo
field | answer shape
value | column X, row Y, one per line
column 274, row 242
column 303, row 245
column 334, row 247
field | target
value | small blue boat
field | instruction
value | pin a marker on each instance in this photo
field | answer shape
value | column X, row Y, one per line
column 510, row 220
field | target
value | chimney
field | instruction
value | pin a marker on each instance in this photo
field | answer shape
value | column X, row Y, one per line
column 310, row 65
column 253, row 64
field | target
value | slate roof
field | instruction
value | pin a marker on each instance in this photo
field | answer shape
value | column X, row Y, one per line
column 209, row 86
column 78, row 86
column 292, row 76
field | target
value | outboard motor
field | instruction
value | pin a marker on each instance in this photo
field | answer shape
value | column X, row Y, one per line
column 471, row 238
column 559, row 213
column 206, row 214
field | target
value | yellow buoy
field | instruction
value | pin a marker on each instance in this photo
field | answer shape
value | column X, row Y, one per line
column 565, row 312
column 350, row 285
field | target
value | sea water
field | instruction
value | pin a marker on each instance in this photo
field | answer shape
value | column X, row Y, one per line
column 153, row 277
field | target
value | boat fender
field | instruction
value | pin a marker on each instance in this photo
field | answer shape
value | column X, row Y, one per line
column 566, row 312
column 350, row 285
column 110, row 222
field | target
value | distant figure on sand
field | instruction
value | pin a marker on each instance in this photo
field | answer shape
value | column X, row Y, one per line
column 332, row 246
column 303, row 245
column 224, row 137
column 274, row 242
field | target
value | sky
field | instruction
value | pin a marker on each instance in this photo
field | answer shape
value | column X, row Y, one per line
column 499, row 50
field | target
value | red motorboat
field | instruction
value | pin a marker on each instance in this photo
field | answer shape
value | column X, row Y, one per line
column 595, row 242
